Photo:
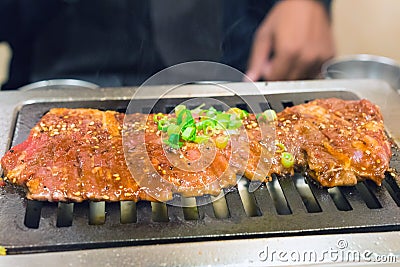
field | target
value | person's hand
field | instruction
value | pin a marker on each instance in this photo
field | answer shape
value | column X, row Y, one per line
column 292, row 42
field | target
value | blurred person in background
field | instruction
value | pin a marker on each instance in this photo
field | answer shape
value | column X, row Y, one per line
column 124, row 42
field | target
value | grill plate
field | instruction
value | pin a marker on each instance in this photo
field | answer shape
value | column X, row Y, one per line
column 281, row 208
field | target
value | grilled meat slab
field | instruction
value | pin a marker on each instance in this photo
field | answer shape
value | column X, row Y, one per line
column 73, row 155
column 79, row 154
column 338, row 142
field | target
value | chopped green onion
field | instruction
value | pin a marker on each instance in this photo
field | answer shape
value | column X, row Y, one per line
column 184, row 118
column 173, row 129
column 159, row 116
column 163, row 125
column 173, row 141
column 199, row 125
column 287, row 160
column 222, row 124
column 234, row 124
column 198, row 109
column 212, row 112
column 201, row 139
column 221, row 141
column 223, row 117
column 281, row 147
column 179, row 108
column 189, row 134
column 270, row 115
column 175, row 146
column 239, row 113
column 209, row 131
column 208, row 123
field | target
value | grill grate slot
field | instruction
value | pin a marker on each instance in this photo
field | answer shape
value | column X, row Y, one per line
column 220, row 206
column 248, row 199
column 287, row 103
column 306, row 194
column 354, row 197
column 159, row 212
column 65, row 212
column 32, row 214
column 392, row 188
column 338, row 198
column 278, row 197
column 190, row 211
column 368, row 197
column 97, row 212
column 243, row 106
column 128, row 212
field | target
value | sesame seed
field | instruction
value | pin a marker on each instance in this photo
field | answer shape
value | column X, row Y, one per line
column 378, row 161
column 363, row 168
column 91, row 123
column 164, row 172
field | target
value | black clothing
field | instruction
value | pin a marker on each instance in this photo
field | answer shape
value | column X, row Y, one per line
column 123, row 42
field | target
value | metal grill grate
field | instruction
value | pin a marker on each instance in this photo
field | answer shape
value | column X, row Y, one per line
column 286, row 206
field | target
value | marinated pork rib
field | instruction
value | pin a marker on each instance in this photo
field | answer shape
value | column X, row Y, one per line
column 77, row 154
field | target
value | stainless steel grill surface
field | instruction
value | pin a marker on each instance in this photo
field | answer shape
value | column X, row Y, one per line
column 286, row 207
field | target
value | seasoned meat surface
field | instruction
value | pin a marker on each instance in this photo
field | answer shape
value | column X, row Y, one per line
column 339, row 142
column 73, row 155
column 79, row 154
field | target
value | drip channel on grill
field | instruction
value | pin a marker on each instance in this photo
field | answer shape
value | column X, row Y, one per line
column 285, row 206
